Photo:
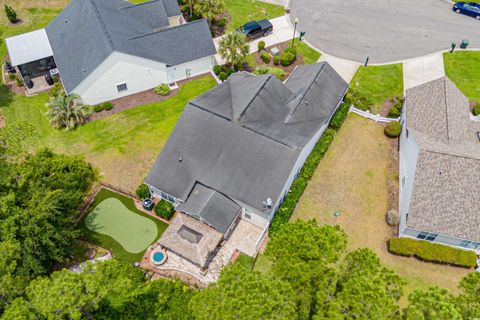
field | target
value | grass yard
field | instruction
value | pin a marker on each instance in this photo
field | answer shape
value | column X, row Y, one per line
column 352, row 178
column 308, row 54
column 377, row 83
column 244, row 11
column 463, row 68
column 114, row 222
column 122, row 146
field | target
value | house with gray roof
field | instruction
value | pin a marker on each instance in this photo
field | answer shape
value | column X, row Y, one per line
column 107, row 49
column 236, row 149
column 440, row 167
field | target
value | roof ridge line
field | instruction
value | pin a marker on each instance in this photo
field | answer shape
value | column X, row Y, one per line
column 271, row 138
column 102, row 24
column 208, row 111
column 167, row 28
column 451, row 155
column 446, row 107
column 307, row 88
column 253, row 98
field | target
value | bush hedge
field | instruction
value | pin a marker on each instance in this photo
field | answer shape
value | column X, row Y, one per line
column 164, row 209
column 393, row 112
column 298, row 187
column 357, row 100
column 476, row 110
column 162, row 90
column 432, row 252
column 217, row 69
column 265, row 57
column 261, row 45
column 107, row 106
column 393, row 129
column 142, row 191
column 287, row 59
column 276, row 60
column 291, row 50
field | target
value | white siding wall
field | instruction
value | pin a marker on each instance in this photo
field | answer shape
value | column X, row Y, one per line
column 408, row 161
column 138, row 73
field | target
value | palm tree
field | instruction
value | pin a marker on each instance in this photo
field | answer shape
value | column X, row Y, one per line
column 190, row 6
column 209, row 9
column 66, row 111
column 233, row 48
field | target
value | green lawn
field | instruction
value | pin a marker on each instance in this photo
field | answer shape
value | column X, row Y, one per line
column 377, row 83
column 463, row 68
column 245, row 261
column 123, row 228
column 308, row 54
column 242, row 11
column 130, row 140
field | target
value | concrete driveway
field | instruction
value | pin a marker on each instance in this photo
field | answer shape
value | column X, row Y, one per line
column 383, row 30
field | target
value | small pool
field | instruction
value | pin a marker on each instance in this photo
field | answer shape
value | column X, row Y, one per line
column 158, row 257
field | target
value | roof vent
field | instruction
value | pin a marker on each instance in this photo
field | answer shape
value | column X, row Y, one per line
column 268, row 203
column 478, row 135
column 180, row 159
column 306, row 102
column 66, row 21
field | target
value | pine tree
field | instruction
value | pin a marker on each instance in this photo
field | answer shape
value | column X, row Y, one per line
column 11, row 14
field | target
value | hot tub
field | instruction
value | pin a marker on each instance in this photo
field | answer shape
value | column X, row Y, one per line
column 158, row 257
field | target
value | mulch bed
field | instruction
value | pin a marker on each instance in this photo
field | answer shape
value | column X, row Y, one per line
column 138, row 99
column 281, row 47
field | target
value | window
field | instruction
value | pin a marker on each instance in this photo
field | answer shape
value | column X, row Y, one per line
column 171, row 199
column 431, row 236
column 164, row 196
column 422, row 235
column 247, row 216
column 464, row 243
column 122, row 87
column 403, row 181
column 474, row 245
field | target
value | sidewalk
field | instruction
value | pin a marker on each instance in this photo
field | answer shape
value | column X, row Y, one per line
column 423, row 69
column 345, row 68
column 282, row 31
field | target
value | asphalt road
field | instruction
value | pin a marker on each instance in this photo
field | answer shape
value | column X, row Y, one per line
column 385, row 31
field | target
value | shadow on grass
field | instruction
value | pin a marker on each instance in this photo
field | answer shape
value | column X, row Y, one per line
column 6, row 96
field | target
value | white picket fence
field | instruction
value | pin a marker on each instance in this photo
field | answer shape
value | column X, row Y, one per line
column 374, row 117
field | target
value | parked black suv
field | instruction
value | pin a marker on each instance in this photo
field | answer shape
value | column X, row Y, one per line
column 255, row 29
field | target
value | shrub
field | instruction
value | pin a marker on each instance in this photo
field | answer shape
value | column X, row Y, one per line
column 162, row 90
column 432, row 252
column 393, row 217
column 393, row 112
column 222, row 22
column 217, row 69
column 393, row 129
column 276, row 60
column 222, row 76
column 287, row 59
column 107, row 105
column 19, row 82
column 261, row 45
column 98, row 107
column 265, row 57
column 11, row 14
column 339, row 116
column 291, row 50
column 230, row 71
column 260, row 71
column 164, row 209
column 357, row 100
column 142, row 191
column 476, row 110
column 12, row 76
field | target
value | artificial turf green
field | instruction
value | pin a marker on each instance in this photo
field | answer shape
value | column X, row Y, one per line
column 107, row 241
column 110, row 217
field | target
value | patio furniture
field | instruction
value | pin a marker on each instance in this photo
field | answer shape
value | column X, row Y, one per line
column 28, row 82
column 148, row 204
column 48, row 79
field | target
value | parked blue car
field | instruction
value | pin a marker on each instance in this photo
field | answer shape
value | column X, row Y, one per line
column 468, row 8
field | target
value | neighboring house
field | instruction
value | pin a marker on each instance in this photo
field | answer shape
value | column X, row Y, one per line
column 236, row 149
column 107, row 49
column 440, row 167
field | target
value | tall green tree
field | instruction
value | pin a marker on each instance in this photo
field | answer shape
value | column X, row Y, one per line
column 242, row 294
column 469, row 300
column 432, row 304
column 67, row 111
column 209, row 9
column 305, row 240
column 11, row 14
column 11, row 285
column 19, row 309
column 233, row 48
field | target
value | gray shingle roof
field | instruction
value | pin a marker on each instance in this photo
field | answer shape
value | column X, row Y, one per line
column 211, row 206
column 447, row 178
column 241, row 144
column 86, row 32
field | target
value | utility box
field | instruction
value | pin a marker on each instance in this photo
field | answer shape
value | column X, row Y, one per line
column 464, row 44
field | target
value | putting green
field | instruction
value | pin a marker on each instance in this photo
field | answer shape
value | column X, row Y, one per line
column 134, row 232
